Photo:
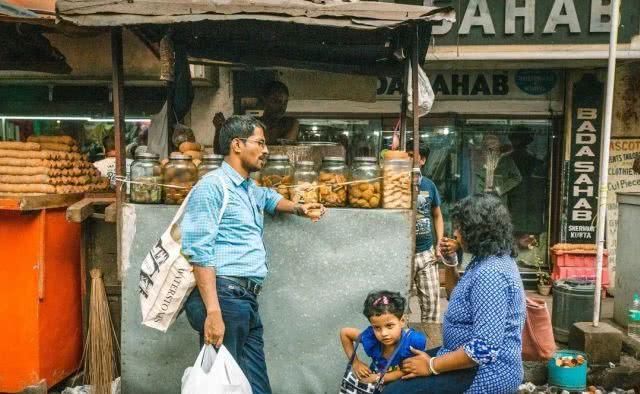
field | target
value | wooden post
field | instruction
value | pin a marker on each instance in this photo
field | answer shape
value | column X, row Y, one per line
column 403, row 106
column 171, row 117
column 119, row 127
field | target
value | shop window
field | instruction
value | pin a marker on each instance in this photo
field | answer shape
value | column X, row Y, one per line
column 360, row 137
column 509, row 157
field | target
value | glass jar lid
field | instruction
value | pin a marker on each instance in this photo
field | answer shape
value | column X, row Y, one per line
column 213, row 157
column 279, row 158
column 398, row 161
column 179, row 156
column 395, row 154
column 147, row 156
column 333, row 159
column 365, row 159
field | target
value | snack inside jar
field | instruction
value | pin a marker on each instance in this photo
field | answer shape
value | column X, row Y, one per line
column 305, row 188
column 332, row 182
column 365, row 183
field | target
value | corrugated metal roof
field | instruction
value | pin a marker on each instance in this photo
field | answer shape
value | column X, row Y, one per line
column 357, row 15
column 346, row 37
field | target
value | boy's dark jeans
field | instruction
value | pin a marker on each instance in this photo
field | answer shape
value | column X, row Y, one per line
column 243, row 329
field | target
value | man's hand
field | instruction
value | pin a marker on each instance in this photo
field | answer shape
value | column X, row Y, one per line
column 214, row 329
column 218, row 120
column 313, row 211
column 448, row 246
column 361, row 370
column 417, row 365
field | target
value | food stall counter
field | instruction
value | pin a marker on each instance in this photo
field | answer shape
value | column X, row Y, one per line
column 42, row 340
column 319, row 276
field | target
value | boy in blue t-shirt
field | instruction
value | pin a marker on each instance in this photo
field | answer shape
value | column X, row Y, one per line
column 426, row 277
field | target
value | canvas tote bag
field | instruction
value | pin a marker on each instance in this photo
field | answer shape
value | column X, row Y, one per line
column 166, row 276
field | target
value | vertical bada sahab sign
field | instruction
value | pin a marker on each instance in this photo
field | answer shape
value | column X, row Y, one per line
column 584, row 164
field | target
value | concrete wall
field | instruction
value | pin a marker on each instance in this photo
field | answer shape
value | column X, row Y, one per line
column 207, row 102
column 626, row 117
column 90, row 57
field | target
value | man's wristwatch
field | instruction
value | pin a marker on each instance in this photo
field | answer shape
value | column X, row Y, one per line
column 297, row 209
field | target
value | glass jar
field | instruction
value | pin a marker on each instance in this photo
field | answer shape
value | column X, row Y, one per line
column 209, row 163
column 146, row 173
column 278, row 175
column 396, row 183
column 333, row 176
column 181, row 172
column 365, row 192
column 305, row 180
column 256, row 177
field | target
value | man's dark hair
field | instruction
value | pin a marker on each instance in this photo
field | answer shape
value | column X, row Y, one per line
column 109, row 143
column 485, row 225
column 274, row 87
column 381, row 302
column 237, row 126
column 424, row 151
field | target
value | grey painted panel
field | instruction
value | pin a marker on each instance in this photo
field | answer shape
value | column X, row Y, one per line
column 627, row 259
column 152, row 362
column 319, row 276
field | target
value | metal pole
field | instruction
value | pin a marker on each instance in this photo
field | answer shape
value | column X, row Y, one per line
column 604, row 158
column 416, row 100
column 117, row 81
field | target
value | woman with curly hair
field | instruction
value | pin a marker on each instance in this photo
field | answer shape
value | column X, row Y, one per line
column 482, row 328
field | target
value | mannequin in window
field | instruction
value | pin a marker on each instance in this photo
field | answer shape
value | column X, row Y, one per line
column 520, row 179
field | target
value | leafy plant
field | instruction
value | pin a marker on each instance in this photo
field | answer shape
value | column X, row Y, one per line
column 543, row 278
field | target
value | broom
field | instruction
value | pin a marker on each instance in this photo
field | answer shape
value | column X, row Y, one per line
column 100, row 358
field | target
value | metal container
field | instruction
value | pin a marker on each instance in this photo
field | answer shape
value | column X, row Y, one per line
column 573, row 378
column 627, row 274
column 572, row 302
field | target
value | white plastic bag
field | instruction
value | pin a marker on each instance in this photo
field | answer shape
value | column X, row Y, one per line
column 426, row 98
column 166, row 277
column 215, row 374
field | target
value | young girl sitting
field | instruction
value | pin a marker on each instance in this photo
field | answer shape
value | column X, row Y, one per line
column 385, row 311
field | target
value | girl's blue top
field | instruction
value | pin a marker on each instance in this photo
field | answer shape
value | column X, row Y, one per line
column 373, row 348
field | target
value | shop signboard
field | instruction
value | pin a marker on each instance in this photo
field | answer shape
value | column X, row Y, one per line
column 584, row 163
column 623, row 178
column 534, row 22
column 531, row 84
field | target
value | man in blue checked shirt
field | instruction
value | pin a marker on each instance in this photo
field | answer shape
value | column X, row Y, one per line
column 222, row 238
